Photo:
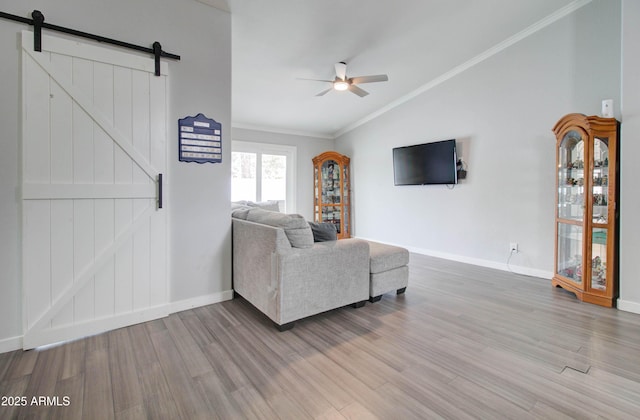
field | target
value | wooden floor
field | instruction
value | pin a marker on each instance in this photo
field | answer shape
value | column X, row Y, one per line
column 463, row 342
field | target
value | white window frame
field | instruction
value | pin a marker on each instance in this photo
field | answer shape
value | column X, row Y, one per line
column 290, row 152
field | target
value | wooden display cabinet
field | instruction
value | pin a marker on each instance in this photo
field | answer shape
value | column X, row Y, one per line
column 586, row 249
column 332, row 194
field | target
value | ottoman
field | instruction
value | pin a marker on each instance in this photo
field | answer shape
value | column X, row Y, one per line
column 388, row 270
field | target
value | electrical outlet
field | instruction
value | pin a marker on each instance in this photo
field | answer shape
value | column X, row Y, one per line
column 513, row 247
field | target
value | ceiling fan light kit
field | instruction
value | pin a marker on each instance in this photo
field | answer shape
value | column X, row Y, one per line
column 340, row 85
column 342, row 82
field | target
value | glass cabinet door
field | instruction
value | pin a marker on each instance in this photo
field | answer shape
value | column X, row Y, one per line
column 345, row 196
column 571, row 170
column 600, row 182
column 331, row 214
column 570, row 251
column 330, row 182
column 599, row 259
column 331, row 193
column 600, row 213
column 316, row 188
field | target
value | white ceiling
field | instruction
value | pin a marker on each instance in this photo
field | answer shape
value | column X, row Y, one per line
column 414, row 42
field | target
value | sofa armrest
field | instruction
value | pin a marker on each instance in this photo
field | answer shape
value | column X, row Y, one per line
column 327, row 276
column 255, row 247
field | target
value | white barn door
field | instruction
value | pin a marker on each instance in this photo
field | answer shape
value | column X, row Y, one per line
column 94, row 142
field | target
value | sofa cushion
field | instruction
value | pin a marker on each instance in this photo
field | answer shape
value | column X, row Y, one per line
column 271, row 205
column 385, row 257
column 238, row 204
column 240, row 209
column 240, row 212
column 295, row 227
column 323, row 232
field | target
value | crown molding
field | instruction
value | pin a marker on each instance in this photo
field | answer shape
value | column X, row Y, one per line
column 278, row 130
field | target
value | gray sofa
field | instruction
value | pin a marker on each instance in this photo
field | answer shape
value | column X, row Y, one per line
column 280, row 270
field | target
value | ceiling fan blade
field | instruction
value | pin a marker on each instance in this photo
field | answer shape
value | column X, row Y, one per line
column 369, row 79
column 315, row 80
column 324, row 92
column 360, row 92
column 341, row 70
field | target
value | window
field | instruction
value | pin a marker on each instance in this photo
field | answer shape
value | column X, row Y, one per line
column 261, row 172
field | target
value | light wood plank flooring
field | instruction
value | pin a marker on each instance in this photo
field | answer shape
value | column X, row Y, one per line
column 463, row 342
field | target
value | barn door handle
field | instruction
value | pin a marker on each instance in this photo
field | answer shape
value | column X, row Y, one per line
column 159, row 191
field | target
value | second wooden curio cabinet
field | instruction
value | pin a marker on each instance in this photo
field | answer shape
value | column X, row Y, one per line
column 586, row 251
column 332, row 193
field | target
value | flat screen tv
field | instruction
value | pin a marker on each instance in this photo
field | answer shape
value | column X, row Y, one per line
column 423, row 164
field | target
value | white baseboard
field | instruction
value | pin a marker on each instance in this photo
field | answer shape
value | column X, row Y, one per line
column 518, row 269
column 186, row 304
column 527, row 271
column 623, row 305
column 628, row 306
column 10, row 344
column 95, row 326
column 107, row 324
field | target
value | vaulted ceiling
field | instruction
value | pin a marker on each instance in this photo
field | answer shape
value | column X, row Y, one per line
column 414, row 42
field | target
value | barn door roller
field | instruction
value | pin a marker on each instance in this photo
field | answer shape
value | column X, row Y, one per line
column 37, row 21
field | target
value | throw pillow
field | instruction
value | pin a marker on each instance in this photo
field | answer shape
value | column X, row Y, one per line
column 295, row 227
column 271, row 205
column 240, row 213
column 323, row 232
column 238, row 204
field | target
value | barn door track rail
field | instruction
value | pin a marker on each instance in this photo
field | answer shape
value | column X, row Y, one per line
column 38, row 24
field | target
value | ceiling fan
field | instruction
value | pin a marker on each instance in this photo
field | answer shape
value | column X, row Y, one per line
column 342, row 82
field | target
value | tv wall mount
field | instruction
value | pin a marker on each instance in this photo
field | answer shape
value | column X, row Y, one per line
column 38, row 23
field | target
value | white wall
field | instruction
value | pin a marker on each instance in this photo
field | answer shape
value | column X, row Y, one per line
column 10, row 297
column 630, row 159
column 198, row 204
column 501, row 111
column 306, row 149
